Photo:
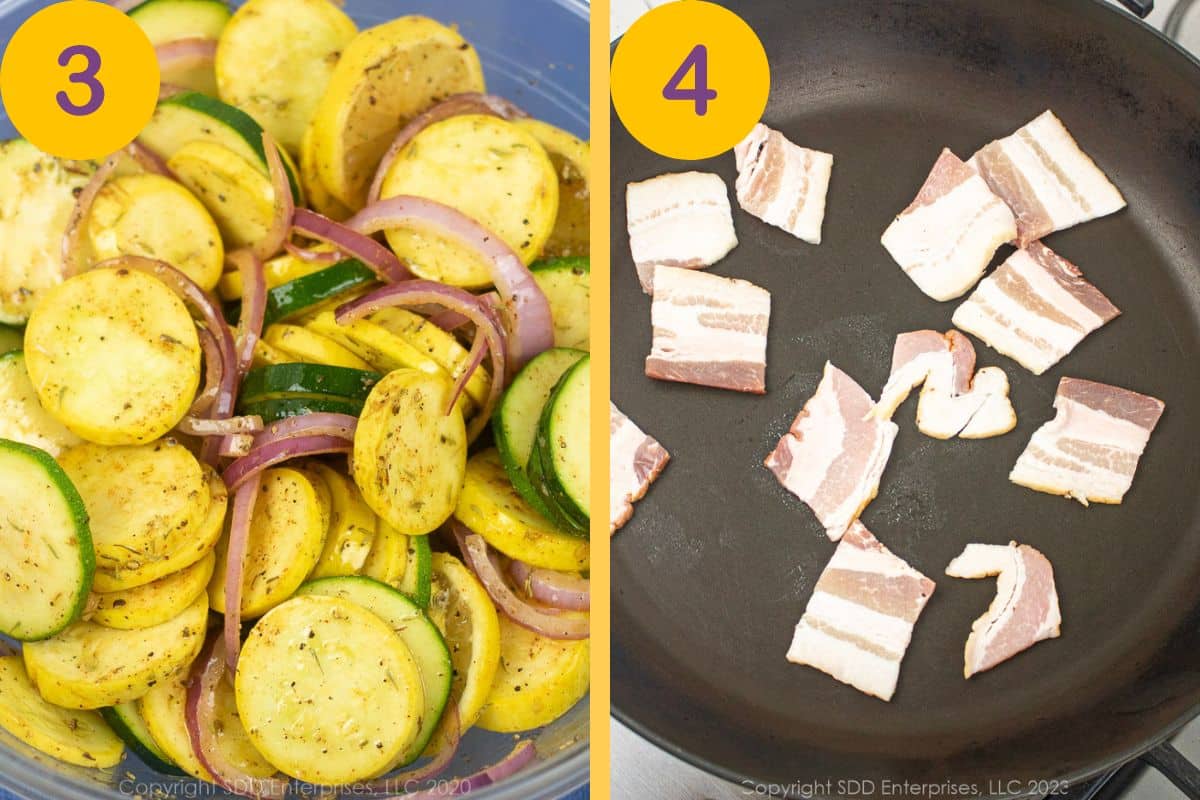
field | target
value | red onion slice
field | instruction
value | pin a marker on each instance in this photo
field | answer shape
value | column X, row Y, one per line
column 72, row 241
column 526, row 307
column 213, row 366
column 236, row 445
column 124, row 5
column 521, row 756
column 239, row 536
column 485, row 563
column 285, row 205
column 254, row 306
column 229, row 426
column 363, row 247
column 418, row 292
column 556, row 589
column 314, row 256
column 148, row 160
column 321, row 423
column 453, row 106
column 200, row 714
column 268, row 455
column 186, row 53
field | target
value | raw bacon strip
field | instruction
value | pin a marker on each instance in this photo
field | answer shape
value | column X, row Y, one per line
column 955, row 399
column 782, row 183
column 1090, row 450
column 635, row 461
column 946, row 238
column 709, row 330
column 1024, row 611
column 860, row 618
column 1047, row 181
column 834, row 454
column 679, row 219
column 1035, row 308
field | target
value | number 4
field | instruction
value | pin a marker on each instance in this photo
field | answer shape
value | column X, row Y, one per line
column 701, row 94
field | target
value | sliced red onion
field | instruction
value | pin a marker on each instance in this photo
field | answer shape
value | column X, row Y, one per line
column 236, row 445
column 213, row 366
column 229, row 426
column 235, row 567
column 200, row 715
column 321, row 423
column 479, row 350
column 418, row 292
column 148, row 160
column 285, row 205
column 7, row 649
column 186, row 53
column 522, row 755
column 254, row 306
column 315, row 256
column 168, row 90
column 485, row 563
column 124, row 5
column 531, row 327
column 556, row 589
column 72, row 241
column 363, row 247
column 268, row 455
column 449, row 731
column 453, row 106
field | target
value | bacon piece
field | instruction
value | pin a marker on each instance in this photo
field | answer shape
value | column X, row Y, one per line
column 709, row 330
column 636, row 459
column 1047, row 181
column 946, row 238
column 835, row 452
column 1024, row 611
column 782, row 183
column 1035, row 308
column 859, row 620
column 955, row 399
column 680, row 219
column 1090, row 450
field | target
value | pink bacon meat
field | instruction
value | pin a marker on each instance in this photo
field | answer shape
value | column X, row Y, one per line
column 1090, row 450
column 1035, row 308
column 859, row 620
column 1024, row 611
column 635, row 460
column 1048, row 182
column 679, row 219
column 709, row 330
column 782, row 183
column 945, row 239
column 834, row 454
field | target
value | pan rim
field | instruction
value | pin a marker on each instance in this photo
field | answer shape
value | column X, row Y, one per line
column 1097, row 766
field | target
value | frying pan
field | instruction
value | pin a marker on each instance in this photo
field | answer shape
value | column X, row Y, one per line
column 714, row 570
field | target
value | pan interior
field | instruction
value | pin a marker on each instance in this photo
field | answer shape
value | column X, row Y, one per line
column 714, row 569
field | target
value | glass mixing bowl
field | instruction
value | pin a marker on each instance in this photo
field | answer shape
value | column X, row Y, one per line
column 535, row 53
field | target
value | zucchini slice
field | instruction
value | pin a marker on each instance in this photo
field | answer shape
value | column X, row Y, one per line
column 308, row 379
column 162, row 708
column 310, row 291
column 22, row 417
column 45, row 545
column 310, row 346
column 388, row 560
column 90, row 666
column 421, row 636
column 386, row 76
column 572, row 163
column 313, row 705
column 170, row 20
column 566, row 284
column 276, row 271
column 37, row 196
column 294, row 406
column 516, row 420
column 287, row 531
column 409, row 453
column 127, row 722
column 114, row 356
column 10, row 338
column 266, row 47
column 155, row 602
column 240, row 198
column 351, row 526
column 149, row 215
column 491, row 170
column 538, row 679
column 145, row 503
column 560, row 465
column 192, row 116
column 490, row 506
column 416, row 583
column 77, row 737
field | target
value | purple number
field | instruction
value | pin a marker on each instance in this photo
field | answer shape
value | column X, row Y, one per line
column 696, row 60
column 86, row 76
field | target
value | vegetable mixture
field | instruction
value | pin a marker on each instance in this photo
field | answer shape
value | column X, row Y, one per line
column 294, row 401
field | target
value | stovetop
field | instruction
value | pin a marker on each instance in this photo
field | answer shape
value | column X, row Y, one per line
column 641, row 770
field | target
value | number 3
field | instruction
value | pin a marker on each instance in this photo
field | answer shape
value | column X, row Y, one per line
column 87, row 76
column 701, row 94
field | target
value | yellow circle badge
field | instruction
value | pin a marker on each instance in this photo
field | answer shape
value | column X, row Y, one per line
column 690, row 79
column 79, row 79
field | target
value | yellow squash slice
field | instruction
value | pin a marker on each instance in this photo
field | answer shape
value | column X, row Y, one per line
column 538, row 680
column 155, row 602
